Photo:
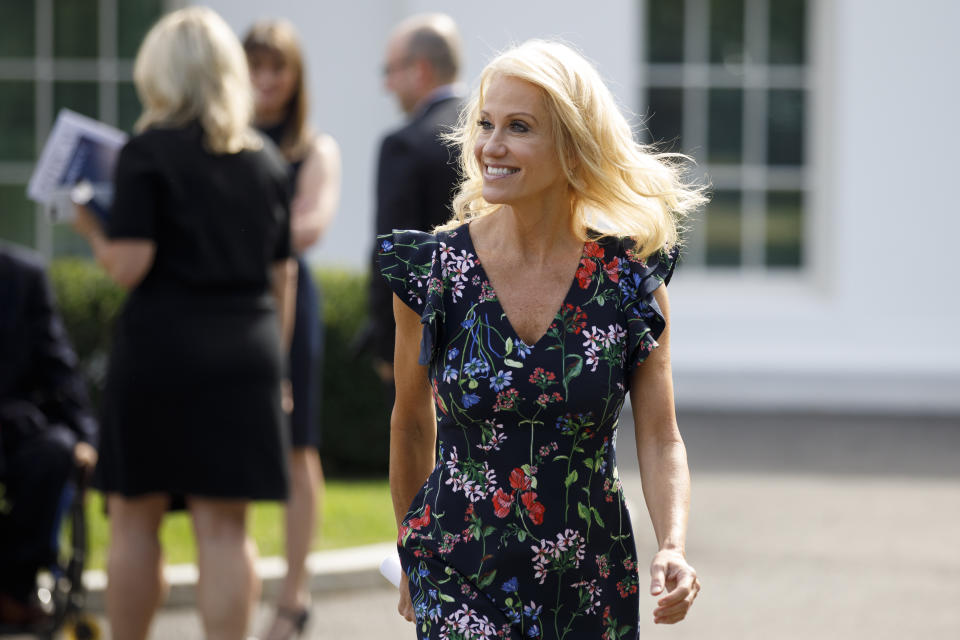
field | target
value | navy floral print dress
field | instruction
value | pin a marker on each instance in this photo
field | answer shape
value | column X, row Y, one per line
column 521, row 529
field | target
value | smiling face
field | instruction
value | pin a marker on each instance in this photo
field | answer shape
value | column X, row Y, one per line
column 274, row 82
column 516, row 149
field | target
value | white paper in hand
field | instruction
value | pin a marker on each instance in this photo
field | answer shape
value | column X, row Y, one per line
column 390, row 569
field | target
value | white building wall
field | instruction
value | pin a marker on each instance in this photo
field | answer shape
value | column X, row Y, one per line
column 870, row 324
column 873, row 323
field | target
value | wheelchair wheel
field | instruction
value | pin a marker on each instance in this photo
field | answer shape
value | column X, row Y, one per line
column 82, row 627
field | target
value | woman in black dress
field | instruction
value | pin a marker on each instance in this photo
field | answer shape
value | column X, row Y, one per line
column 281, row 107
column 199, row 231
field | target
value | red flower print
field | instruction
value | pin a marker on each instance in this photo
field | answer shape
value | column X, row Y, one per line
column 585, row 272
column 502, row 501
column 542, row 378
column 506, row 400
column 422, row 521
column 534, row 508
column 519, row 479
column 592, row 250
column 612, row 269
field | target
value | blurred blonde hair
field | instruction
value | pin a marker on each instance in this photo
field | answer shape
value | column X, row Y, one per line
column 279, row 38
column 618, row 187
column 191, row 67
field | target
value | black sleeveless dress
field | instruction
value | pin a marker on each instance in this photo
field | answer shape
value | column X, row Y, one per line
column 192, row 403
column 306, row 348
column 521, row 530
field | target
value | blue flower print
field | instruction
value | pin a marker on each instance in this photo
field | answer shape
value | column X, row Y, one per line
column 532, row 611
column 452, row 353
column 449, row 374
column 470, row 399
column 510, row 586
column 473, row 368
column 629, row 285
column 386, row 245
column 468, row 322
column 522, row 349
column 424, row 572
column 501, row 381
column 533, row 631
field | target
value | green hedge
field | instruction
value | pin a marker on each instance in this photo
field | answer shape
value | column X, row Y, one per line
column 354, row 416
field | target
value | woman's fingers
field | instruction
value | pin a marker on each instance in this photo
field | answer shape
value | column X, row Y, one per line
column 670, row 571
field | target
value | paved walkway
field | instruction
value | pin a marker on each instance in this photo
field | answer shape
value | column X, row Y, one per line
column 802, row 528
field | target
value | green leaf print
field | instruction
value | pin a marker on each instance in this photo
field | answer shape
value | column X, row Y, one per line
column 473, row 384
column 596, row 516
column 588, row 462
column 445, row 597
column 583, row 511
column 571, row 478
column 573, row 370
column 487, row 580
column 513, row 363
column 508, row 347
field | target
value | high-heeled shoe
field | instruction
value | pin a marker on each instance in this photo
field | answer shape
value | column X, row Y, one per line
column 296, row 619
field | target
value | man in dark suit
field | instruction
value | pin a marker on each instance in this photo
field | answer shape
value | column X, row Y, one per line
column 46, row 429
column 417, row 172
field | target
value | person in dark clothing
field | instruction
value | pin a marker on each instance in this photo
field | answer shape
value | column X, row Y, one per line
column 417, row 171
column 193, row 411
column 281, row 108
column 46, row 428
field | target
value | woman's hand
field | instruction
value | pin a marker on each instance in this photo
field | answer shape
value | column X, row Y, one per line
column 405, row 606
column 673, row 578
column 85, row 456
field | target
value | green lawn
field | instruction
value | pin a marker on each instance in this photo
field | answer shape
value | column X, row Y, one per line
column 355, row 512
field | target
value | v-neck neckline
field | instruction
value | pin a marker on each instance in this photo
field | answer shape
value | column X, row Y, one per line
column 573, row 283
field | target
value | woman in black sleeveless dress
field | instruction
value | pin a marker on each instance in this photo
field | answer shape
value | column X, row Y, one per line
column 199, row 231
column 280, row 98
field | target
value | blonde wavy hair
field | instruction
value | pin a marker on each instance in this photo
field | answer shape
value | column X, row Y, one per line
column 191, row 67
column 618, row 187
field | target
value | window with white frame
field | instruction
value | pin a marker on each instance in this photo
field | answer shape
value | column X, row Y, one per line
column 727, row 82
column 76, row 54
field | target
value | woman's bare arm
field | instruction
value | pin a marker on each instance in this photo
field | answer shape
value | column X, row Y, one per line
column 283, row 285
column 317, row 194
column 413, row 425
column 665, row 476
column 126, row 261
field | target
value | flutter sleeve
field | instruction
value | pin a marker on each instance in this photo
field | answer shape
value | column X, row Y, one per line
column 645, row 321
column 408, row 262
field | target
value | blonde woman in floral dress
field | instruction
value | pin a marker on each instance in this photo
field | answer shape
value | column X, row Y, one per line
column 521, row 326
